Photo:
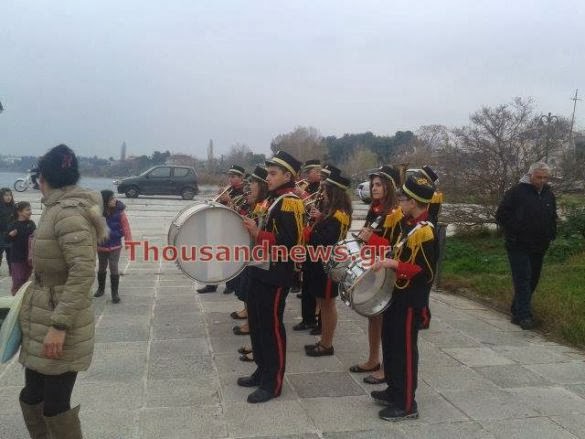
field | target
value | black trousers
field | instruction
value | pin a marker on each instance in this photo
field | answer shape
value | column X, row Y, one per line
column 53, row 390
column 400, row 352
column 308, row 304
column 526, row 267
column 265, row 317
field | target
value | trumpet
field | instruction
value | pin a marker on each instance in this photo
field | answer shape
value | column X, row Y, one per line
column 313, row 200
column 302, row 184
column 221, row 193
column 239, row 200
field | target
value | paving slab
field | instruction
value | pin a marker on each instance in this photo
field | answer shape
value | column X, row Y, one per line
column 325, row 384
column 527, row 428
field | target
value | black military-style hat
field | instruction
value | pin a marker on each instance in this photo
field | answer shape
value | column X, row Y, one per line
column 328, row 169
column 389, row 173
column 309, row 164
column 285, row 161
column 428, row 172
column 259, row 174
column 338, row 180
column 237, row 170
column 419, row 187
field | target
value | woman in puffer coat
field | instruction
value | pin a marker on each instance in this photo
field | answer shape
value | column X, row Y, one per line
column 109, row 251
column 57, row 318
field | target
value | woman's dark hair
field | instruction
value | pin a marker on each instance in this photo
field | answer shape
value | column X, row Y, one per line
column 389, row 201
column 59, row 167
column 262, row 191
column 19, row 207
column 338, row 200
column 5, row 191
column 107, row 195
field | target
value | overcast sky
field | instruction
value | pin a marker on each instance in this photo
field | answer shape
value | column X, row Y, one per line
column 173, row 74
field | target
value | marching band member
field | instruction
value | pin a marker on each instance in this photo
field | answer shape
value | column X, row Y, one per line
column 270, row 281
column 256, row 198
column 312, row 170
column 437, row 201
column 330, row 227
column 236, row 176
column 383, row 185
column 414, row 263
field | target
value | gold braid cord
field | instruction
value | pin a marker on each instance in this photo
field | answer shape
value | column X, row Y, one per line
column 343, row 219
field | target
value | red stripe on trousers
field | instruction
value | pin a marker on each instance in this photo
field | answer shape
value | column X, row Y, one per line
column 278, row 343
column 409, row 371
column 328, row 289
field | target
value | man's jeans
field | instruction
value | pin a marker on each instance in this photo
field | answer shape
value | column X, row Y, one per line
column 526, row 267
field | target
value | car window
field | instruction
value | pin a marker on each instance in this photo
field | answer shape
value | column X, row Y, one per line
column 160, row 173
column 182, row 172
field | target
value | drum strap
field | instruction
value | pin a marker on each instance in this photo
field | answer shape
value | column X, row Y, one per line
column 273, row 205
column 414, row 229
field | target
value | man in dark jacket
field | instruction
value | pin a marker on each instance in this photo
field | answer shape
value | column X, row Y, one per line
column 528, row 215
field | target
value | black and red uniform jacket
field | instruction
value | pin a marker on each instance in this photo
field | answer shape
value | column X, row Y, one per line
column 325, row 232
column 283, row 227
column 416, row 255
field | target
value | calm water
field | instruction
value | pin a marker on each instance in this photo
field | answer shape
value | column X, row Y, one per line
column 7, row 179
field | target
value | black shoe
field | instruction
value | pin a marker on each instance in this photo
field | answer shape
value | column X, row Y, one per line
column 114, row 284
column 101, row 277
column 527, row 324
column 382, row 397
column 371, row 379
column 315, row 331
column 319, row 350
column 394, row 414
column 260, row 395
column 304, row 326
column 207, row 289
column 250, row 381
column 228, row 290
column 238, row 331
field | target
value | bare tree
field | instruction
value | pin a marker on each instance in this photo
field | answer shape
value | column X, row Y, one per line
column 303, row 143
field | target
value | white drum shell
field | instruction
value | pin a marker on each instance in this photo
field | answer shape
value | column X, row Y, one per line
column 336, row 270
column 368, row 293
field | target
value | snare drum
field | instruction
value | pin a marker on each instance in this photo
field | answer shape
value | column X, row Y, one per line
column 367, row 292
column 208, row 223
column 346, row 251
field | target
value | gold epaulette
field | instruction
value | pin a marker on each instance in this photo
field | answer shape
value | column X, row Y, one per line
column 420, row 236
column 437, row 198
column 393, row 218
column 293, row 204
column 342, row 217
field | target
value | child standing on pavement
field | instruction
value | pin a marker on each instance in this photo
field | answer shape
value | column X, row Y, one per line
column 18, row 233
column 6, row 217
column 109, row 251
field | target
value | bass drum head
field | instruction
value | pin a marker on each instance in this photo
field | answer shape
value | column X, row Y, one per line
column 211, row 232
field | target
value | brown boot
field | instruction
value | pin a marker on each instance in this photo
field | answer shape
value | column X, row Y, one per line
column 65, row 425
column 35, row 423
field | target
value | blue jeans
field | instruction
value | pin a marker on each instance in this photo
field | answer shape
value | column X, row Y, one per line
column 526, row 267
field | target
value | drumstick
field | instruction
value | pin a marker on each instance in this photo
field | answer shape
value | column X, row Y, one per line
column 373, row 226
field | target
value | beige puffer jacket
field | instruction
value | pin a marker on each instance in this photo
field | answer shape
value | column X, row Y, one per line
column 64, row 256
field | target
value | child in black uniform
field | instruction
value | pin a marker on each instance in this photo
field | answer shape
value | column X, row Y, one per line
column 414, row 263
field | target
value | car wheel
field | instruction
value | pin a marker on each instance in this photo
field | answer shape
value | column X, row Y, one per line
column 132, row 192
column 187, row 194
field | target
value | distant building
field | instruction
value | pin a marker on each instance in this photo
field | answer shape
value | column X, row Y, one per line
column 123, row 152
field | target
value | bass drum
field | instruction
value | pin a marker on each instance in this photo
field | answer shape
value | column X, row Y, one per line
column 367, row 292
column 346, row 251
column 217, row 227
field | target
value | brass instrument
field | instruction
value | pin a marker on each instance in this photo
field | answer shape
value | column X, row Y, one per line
column 314, row 199
column 216, row 199
column 302, row 184
column 239, row 200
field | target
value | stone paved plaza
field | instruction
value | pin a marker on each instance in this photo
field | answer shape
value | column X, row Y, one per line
column 165, row 366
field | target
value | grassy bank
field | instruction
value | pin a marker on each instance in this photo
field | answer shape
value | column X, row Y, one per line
column 476, row 264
